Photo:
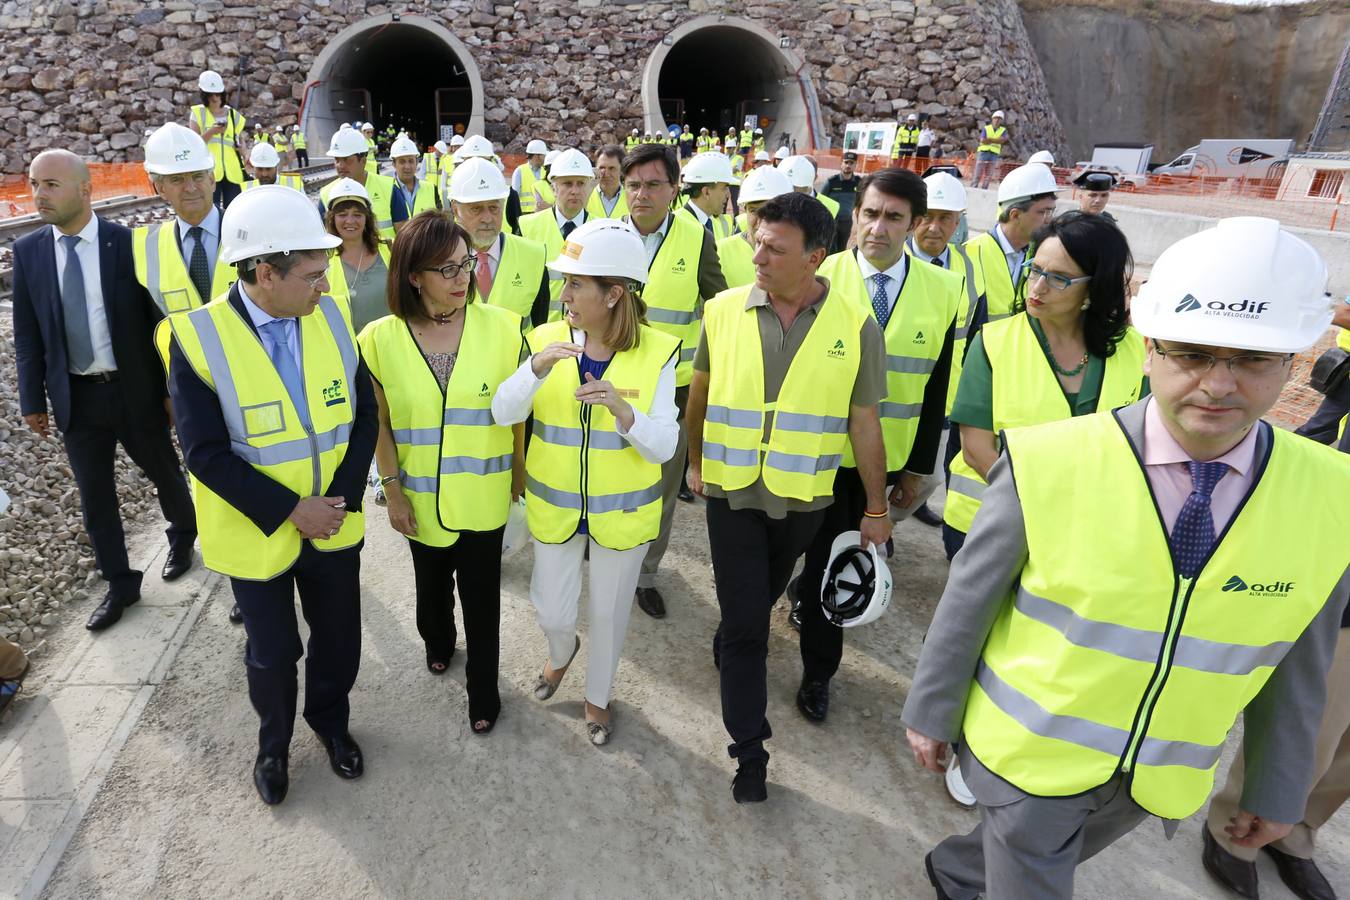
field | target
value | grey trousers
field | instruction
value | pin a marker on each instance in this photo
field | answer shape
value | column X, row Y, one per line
column 672, row 473
column 1025, row 847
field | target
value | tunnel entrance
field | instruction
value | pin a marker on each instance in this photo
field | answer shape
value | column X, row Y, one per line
column 715, row 73
column 410, row 73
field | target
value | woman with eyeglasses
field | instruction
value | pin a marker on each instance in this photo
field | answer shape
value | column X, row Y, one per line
column 1068, row 350
column 449, row 471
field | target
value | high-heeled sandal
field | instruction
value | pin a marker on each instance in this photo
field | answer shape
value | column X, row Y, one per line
column 543, row 688
column 473, row 726
column 599, row 732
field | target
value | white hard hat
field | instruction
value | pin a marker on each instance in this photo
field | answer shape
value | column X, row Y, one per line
column 635, row 131
column 271, row 219
column 764, row 183
column 441, row 147
column 403, row 146
column 799, row 171
column 457, row 140
column 911, row 118
column 347, row 142
column 603, row 247
column 761, row 156
column 173, row 149
column 781, row 154
column 856, row 588
column 295, row 128
column 536, row 146
column 368, row 126
column 477, row 179
column 998, row 114
column 211, row 82
column 474, row 146
column 549, row 157
column 1044, row 157
column 571, row 163
column 945, row 192
column 1246, row 283
column 517, row 532
column 347, row 189
column 264, row 156
column 759, row 131
column 708, row 168
column 1026, row 181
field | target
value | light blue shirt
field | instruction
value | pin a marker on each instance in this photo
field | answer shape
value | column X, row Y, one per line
column 86, row 251
column 260, row 318
column 210, row 240
column 1015, row 258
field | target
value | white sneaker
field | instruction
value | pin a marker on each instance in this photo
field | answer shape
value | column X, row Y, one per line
column 956, row 785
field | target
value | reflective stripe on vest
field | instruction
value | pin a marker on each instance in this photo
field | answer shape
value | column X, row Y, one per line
column 810, row 425
column 224, row 147
column 529, row 188
column 983, row 255
column 519, row 273
column 161, row 269
column 671, row 292
column 1103, row 660
column 265, row 430
column 991, row 132
column 578, row 464
column 1026, row 392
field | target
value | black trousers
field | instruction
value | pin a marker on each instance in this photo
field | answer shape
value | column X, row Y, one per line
column 329, row 585
column 753, row 556
column 301, row 157
column 477, row 559
column 226, row 191
column 822, row 643
column 98, row 423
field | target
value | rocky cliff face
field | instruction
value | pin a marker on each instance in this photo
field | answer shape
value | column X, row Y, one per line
column 1173, row 72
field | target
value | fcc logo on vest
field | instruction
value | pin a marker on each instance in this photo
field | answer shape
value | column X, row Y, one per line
column 1243, row 309
column 1274, row 589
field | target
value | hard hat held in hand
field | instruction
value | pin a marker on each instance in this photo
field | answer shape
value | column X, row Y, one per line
column 476, row 180
column 1029, row 180
column 173, row 150
column 264, row 156
column 403, row 146
column 517, row 532
column 799, row 171
column 271, row 219
column 603, row 247
column 856, row 588
column 347, row 189
column 764, row 183
column 571, row 163
column 1246, row 284
column 945, row 192
column 210, row 82
column 475, row 146
column 708, row 168
column 347, row 142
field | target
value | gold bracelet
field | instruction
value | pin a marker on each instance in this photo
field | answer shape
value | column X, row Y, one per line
column 880, row 515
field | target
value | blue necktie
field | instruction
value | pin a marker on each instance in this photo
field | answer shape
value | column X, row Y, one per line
column 285, row 366
column 198, row 268
column 880, row 304
column 79, row 344
column 1193, row 532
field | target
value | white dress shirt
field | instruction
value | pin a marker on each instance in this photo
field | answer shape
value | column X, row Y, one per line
column 1015, row 258
column 261, row 318
column 896, row 273
column 86, row 251
column 210, row 227
column 652, row 242
column 944, row 258
column 698, row 214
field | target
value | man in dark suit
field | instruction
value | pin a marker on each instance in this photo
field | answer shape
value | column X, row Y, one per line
column 83, row 335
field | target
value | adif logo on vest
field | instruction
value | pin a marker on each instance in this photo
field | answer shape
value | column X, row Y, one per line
column 678, row 268
column 1235, row 584
column 483, row 391
column 837, row 351
column 1242, row 309
column 919, row 338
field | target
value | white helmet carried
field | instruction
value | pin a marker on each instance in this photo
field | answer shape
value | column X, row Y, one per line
column 1246, row 283
column 441, row 147
column 403, row 146
column 347, row 142
column 764, row 183
column 856, row 588
column 264, row 156
column 1044, row 157
column 781, row 154
column 1029, row 180
column 457, row 141
column 271, row 219
column 535, row 147
column 603, row 247
column 173, row 150
column 571, row 163
column 475, row 146
column 347, row 189
column 477, row 179
column 945, row 192
column 210, row 82
column 517, row 533
column 799, row 171
column 549, row 157
column 708, row 168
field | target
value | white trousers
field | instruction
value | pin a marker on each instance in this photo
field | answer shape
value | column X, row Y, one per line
column 555, row 588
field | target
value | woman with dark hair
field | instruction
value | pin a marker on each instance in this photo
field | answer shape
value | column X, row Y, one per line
column 1067, row 350
column 222, row 128
column 450, row 472
column 359, row 271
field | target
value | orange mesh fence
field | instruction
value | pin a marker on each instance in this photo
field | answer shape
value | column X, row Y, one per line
column 109, row 180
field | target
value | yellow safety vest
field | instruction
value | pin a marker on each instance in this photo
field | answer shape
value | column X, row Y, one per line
column 746, row 139
column 224, row 147
column 722, row 225
column 298, row 140
column 425, row 197
column 906, row 140
column 266, row 432
column 595, row 207
column 372, row 157
column 279, row 141
column 520, row 268
column 830, row 204
column 671, row 292
column 161, row 269
column 1026, row 392
column 431, row 164
column 988, row 146
column 578, row 464
column 925, row 309
column 542, row 227
column 1104, row 659
column 290, row 181
column 454, row 461
column 993, row 281
column 337, row 275
column 736, row 256
column 381, row 190
column 1343, row 339
column 810, row 417
column 532, row 189
column 959, row 264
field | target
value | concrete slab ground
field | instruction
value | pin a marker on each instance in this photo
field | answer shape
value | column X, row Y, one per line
column 530, row 810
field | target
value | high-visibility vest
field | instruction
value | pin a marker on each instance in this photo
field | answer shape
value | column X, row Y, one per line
column 924, row 310
column 578, row 463
column 279, row 142
column 722, row 225
column 595, row 206
column 531, row 189
column 810, row 416
column 262, row 137
column 431, row 165
column 425, row 198
column 830, row 204
column 285, row 180
column 906, row 140
column 958, row 263
column 519, row 271
column 1026, row 392
column 747, row 138
column 671, row 292
column 995, row 283
column 372, row 157
column 454, row 460
column 542, row 227
column 631, row 141
column 265, row 429
column 298, row 140
column 381, row 190
column 161, row 269
column 224, row 147
column 337, row 275
column 736, row 255
column 987, row 145
column 1104, row 659
column 703, row 143
column 737, row 163
column 1343, row 339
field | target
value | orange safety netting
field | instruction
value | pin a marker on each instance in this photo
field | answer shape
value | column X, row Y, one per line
column 109, row 179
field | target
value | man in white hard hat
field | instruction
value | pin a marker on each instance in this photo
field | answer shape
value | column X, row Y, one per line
column 372, row 147
column 478, row 147
column 510, row 271
column 761, row 159
column 607, row 200
column 222, row 128
column 992, row 138
column 300, row 146
column 349, row 152
column 281, row 143
column 572, row 178
column 526, row 178
column 632, row 140
column 906, row 140
column 759, row 139
column 84, row 350
column 431, row 162
column 1168, row 560
column 781, row 154
column 735, row 254
column 707, row 182
column 266, row 163
column 277, row 419
column 419, row 194
column 801, row 171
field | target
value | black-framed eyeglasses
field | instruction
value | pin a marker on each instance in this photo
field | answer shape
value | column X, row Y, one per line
column 1197, row 362
column 1057, row 281
column 451, row 271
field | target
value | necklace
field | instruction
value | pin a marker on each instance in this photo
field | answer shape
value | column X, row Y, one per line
column 1054, row 363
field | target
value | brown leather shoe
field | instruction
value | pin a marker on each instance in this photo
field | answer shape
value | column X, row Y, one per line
column 1238, row 875
column 1301, row 876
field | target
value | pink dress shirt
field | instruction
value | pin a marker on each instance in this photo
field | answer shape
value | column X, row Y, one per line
column 1165, row 465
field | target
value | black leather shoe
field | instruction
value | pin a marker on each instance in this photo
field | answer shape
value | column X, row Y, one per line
column 813, row 699
column 236, row 615
column 748, row 785
column 344, row 755
column 1301, row 876
column 927, row 516
column 270, row 778
column 794, row 603
column 650, row 601
column 1238, row 875
column 685, row 495
column 932, row 878
column 109, row 611
column 176, row 566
